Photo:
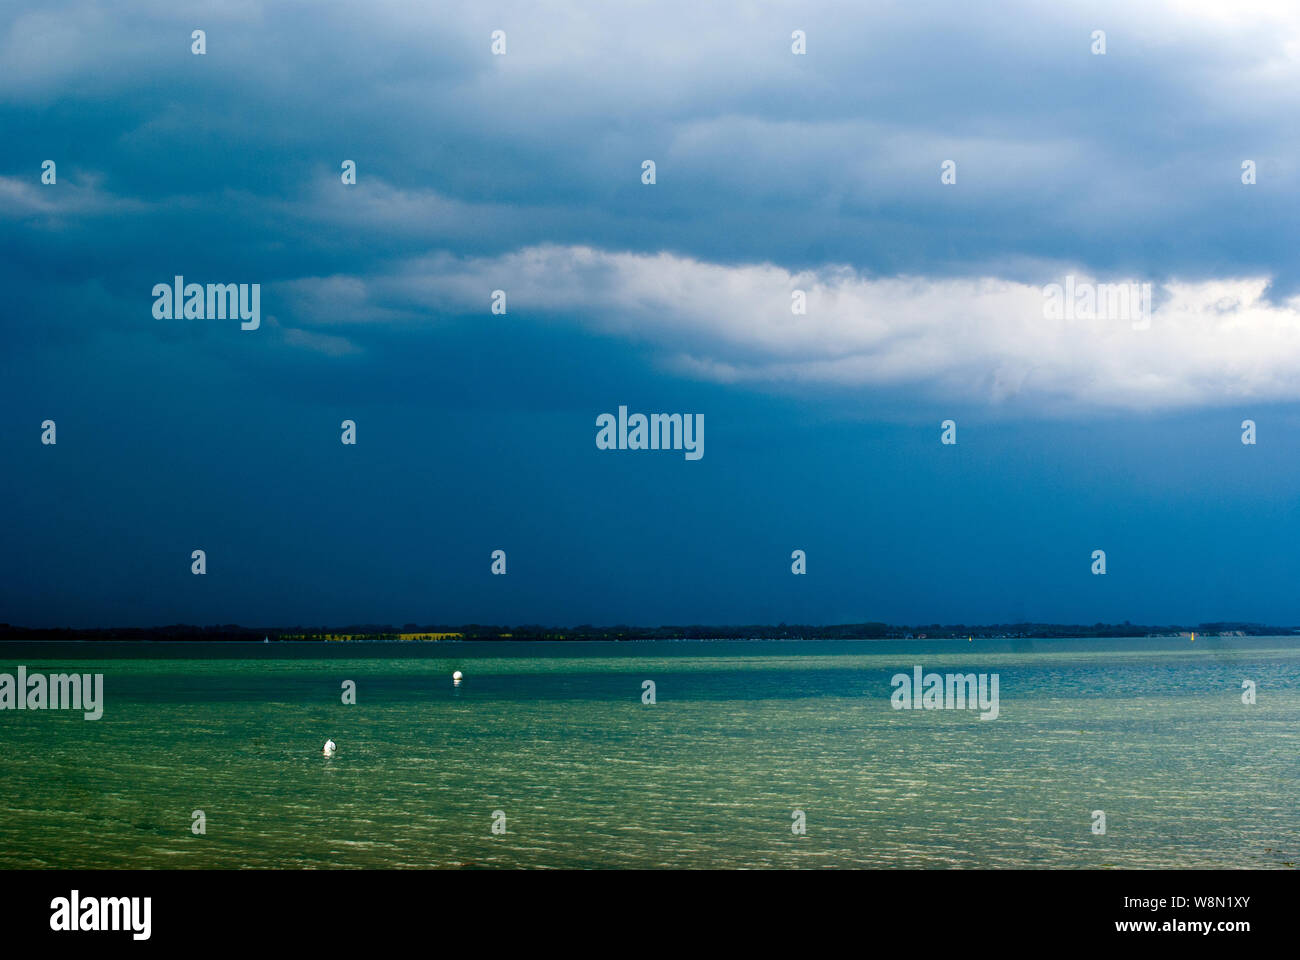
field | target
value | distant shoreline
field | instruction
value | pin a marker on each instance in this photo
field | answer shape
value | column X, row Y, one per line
column 416, row 635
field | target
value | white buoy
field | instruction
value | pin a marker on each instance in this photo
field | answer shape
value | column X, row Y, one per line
column 457, row 677
column 329, row 748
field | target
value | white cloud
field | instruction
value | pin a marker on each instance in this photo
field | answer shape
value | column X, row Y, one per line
column 320, row 342
column 27, row 198
column 980, row 340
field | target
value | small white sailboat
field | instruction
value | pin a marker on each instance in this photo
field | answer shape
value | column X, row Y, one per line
column 330, row 747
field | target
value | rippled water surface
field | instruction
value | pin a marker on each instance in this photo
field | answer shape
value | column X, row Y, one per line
column 556, row 737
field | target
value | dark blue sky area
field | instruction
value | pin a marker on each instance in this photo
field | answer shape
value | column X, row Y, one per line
column 477, row 431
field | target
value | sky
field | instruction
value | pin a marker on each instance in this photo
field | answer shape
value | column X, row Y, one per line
column 774, row 172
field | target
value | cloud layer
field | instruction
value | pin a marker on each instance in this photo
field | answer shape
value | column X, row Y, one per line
column 981, row 340
column 775, row 172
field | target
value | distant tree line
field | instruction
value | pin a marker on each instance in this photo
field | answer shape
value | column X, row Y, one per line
column 381, row 633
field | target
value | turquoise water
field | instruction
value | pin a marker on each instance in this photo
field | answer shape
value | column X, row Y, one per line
column 557, row 738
